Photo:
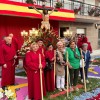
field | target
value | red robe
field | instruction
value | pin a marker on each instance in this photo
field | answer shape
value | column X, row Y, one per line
column 16, row 44
column 42, row 50
column 49, row 77
column 33, row 75
column 7, row 57
column 85, row 40
column 79, row 43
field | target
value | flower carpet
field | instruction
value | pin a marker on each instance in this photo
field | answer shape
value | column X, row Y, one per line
column 21, row 89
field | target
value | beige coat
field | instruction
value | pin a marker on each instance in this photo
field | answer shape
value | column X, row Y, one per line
column 60, row 69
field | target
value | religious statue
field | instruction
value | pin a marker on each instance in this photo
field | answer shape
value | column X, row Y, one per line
column 45, row 17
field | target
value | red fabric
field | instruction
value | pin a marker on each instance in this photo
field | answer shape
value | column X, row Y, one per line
column 79, row 43
column 16, row 13
column 85, row 40
column 7, row 56
column 49, row 54
column 33, row 74
column 12, row 24
column 42, row 50
column 49, row 75
column 17, row 47
column 8, row 74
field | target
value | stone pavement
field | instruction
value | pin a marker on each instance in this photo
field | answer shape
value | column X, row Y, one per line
column 95, row 54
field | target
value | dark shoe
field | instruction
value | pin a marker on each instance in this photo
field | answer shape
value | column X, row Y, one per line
column 4, row 87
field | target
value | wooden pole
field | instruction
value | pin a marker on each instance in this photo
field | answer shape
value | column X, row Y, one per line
column 54, row 65
column 40, row 65
column 67, row 75
column 83, row 72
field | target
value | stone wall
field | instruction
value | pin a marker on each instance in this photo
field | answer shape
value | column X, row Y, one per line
column 91, row 31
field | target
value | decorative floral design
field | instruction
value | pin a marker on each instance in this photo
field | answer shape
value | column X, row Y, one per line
column 6, row 95
column 47, row 37
column 89, row 95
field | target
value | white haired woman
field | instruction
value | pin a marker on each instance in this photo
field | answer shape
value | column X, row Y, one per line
column 60, row 67
column 33, row 72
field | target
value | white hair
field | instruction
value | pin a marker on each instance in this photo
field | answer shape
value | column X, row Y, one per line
column 59, row 43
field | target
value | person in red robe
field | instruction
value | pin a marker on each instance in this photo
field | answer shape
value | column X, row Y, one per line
column 7, row 56
column 2, row 42
column 85, row 40
column 79, row 42
column 41, row 47
column 16, row 44
column 33, row 72
column 49, row 75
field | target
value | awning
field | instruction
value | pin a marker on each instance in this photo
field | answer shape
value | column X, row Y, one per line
column 21, row 9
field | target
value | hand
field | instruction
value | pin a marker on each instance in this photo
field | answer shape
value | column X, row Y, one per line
column 40, row 66
column 5, row 65
column 67, row 63
column 15, row 56
column 53, row 59
column 70, row 67
column 82, row 56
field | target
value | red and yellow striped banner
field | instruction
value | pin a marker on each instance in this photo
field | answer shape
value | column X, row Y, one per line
column 21, row 9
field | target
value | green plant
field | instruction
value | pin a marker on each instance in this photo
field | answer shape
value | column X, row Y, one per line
column 58, row 4
column 29, row 1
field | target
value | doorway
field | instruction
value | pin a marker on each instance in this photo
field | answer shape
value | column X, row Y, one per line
column 62, row 30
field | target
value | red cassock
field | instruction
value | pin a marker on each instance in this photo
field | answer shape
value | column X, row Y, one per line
column 7, row 57
column 85, row 40
column 79, row 43
column 17, row 47
column 33, row 75
column 49, row 75
column 42, row 50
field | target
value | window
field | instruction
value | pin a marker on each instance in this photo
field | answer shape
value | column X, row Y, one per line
column 81, row 31
column 62, row 30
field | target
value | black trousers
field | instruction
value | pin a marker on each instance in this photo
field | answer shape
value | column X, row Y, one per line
column 74, row 73
column 86, row 72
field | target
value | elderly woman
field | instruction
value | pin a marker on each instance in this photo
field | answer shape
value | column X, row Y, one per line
column 87, row 58
column 60, row 67
column 73, row 63
column 49, row 55
column 33, row 72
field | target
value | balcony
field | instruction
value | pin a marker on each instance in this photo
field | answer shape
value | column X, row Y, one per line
column 83, row 12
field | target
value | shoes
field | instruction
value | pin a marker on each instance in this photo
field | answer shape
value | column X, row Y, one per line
column 63, row 89
column 59, row 89
column 87, row 81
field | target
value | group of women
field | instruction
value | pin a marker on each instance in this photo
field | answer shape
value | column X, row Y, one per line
column 48, row 57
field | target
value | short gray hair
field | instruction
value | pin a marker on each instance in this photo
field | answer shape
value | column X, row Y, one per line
column 59, row 42
column 84, row 44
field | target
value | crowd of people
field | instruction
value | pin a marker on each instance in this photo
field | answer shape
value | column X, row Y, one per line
column 60, row 58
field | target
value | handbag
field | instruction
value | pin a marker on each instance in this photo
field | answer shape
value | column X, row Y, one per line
column 49, row 64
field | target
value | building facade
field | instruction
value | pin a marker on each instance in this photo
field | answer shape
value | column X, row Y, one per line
column 85, row 23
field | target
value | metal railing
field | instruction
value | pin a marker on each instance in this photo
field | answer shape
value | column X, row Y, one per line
column 78, row 7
